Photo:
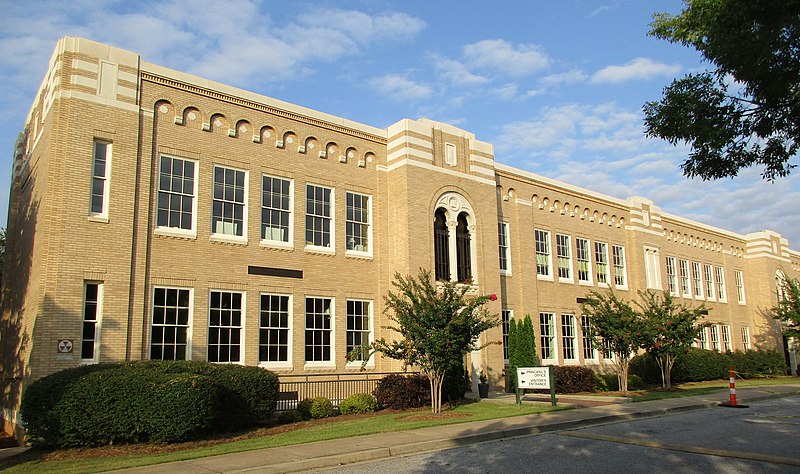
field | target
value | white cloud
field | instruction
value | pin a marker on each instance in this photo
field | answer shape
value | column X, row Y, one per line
column 573, row 76
column 400, row 88
column 456, row 73
column 504, row 59
column 365, row 28
column 637, row 69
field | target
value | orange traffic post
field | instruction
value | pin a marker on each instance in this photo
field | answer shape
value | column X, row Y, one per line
column 732, row 384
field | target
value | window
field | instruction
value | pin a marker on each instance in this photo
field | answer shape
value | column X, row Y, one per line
column 726, row 338
column 359, row 327
column 720, row 276
column 618, row 256
column 589, row 351
column 739, row 286
column 568, row 337
column 225, row 326
column 542, row 252
column 683, row 268
column 228, row 207
column 441, row 247
column 101, row 170
column 582, row 256
column 672, row 277
column 505, row 255
column 463, row 251
column 169, row 337
column 714, row 337
column 274, row 341
column 745, row 338
column 709, row 278
column 357, row 222
column 506, row 316
column 652, row 265
column 601, row 262
column 703, row 339
column 319, row 216
column 92, row 310
column 564, row 257
column 177, row 188
column 319, row 328
column 547, row 335
column 276, row 209
column 608, row 353
column 697, row 280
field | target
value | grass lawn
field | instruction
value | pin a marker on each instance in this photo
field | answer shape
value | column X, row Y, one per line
column 120, row 457
column 704, row 388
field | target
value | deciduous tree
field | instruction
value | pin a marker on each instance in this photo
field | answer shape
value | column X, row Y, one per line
column 437, row 326
column 788, row 308
column 745, row 111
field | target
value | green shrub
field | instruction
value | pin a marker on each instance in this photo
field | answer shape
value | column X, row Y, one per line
column 317, row 407
column 600, row 383
column 635, row 382
column 289, row 416
column 574, row 379
column 358, row 403
column 757, row 363
column 400, row 392
column 611, row 382
column 144, row 401
column 646, row 367
column 455, row 383
column 700, row 364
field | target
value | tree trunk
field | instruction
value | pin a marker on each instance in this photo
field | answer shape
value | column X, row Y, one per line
column 668, row 372
column 623, row 374
column 662, row 366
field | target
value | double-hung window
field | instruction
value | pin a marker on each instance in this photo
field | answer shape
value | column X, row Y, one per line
column 101, row 171
column 506, row 316
column 226, row 317
column 714, row 337
column 169, row 337
column 547, row 334
column 564, row 257
column 739, row 286
column 276, row 210
column 683, row 268
column 745, row 338
column 92, row 311
column 587, row 339
column 583, row 257
column 726, row 338
column 697, row 280
column 601, row 263
column 709, row 279
column 505, row 253
column 319, row 331
column 672, row 276
column 359, row 329
column 357, row 223
column 229, row 205
column 177, row 192
column 274, row 330
column 542, row 238
column 568, row 337
column 319, row 217
column 618, row 259
column 719, row 273
column 702, row 339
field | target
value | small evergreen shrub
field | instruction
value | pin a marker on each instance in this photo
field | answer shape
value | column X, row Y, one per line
column 315, row 408
column 646, row 367
column 455, row 383
column 400, row 392
column 700, row 364
column 757, row 363
column 600, row 383
column 574, row 379
column 635, row 382
column 611, row 382
column 358, row 403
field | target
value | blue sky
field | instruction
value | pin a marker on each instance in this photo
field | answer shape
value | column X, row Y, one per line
column 556, row 86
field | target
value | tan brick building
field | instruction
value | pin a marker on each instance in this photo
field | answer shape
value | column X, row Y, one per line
column 155, row 214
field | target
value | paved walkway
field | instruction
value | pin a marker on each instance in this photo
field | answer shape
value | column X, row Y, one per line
column 305, row 457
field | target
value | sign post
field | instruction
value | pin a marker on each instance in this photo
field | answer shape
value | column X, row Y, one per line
column 537, row 378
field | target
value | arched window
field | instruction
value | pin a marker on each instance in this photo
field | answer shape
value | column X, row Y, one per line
column 441, row 246
column 780, row 281
column 463, row 257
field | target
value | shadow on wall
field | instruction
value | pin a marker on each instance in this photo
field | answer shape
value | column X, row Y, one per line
column 16, row 315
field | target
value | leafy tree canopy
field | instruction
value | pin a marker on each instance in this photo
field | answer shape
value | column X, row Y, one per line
column 788, row 308
column 746, row 110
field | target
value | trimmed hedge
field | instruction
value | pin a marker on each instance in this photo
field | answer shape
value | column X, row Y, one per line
column 358, row 403
column 701, row 364
column 132, row 402
column 317, row 407
column 610, row 382
column 574, row 379
column 400, row 392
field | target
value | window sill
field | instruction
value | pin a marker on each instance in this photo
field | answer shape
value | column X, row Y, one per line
column 102, row 218
column 358, row 255
column 177, row 233
column 566, row 280
column 585, row 283
column 357, row 365
column 602, row 285
column 278, row 366
column 544, row 278
column 320, row 250
column 505, row 273
column 228, row 239
column 276, row 244
column 319, row 366
column 621, row 288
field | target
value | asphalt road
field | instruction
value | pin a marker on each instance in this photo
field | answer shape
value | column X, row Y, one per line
column 762, row 438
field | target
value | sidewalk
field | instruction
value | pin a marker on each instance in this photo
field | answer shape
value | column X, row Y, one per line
column 322, row 454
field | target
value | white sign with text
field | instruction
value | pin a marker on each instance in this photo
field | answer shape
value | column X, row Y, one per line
column 533, row 377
